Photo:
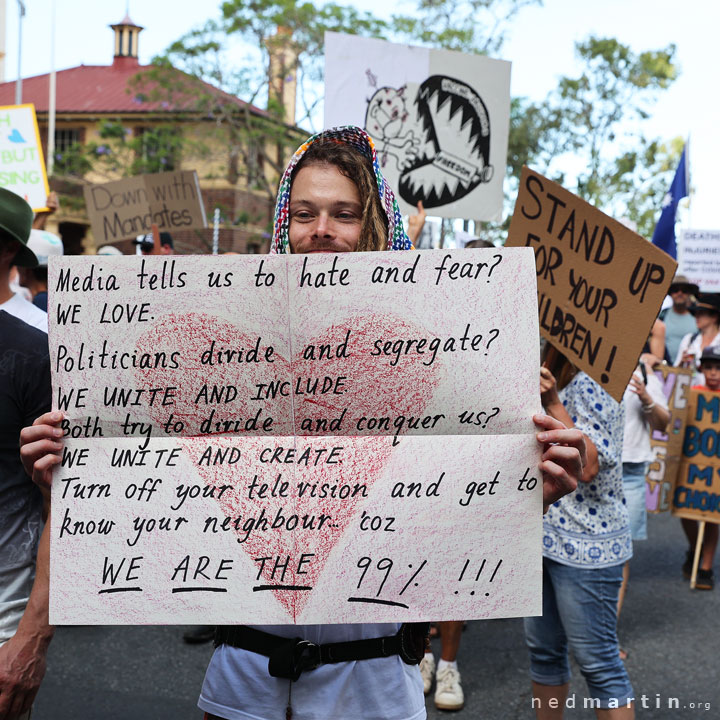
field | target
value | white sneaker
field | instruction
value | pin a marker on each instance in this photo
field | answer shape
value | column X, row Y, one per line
column 427, row 670
column 448, row 693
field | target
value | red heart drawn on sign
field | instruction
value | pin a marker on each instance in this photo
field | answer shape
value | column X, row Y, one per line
column 199, row 403
column 291, row 534
column 320, row 499
column 381, row 394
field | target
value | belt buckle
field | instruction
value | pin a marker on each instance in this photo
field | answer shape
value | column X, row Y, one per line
column 306, row 656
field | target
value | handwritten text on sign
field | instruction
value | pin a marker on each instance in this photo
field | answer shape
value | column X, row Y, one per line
column 667, row 445
column 284, row 435
column 600, row 285
column 697, row 491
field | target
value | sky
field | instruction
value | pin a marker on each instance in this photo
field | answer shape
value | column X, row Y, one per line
column 540, row 45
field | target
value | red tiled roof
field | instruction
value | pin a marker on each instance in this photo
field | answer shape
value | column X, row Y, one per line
column 106, row 89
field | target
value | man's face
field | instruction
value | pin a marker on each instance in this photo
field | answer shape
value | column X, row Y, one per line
column 325, row 211
column 680, row 295
column 711, row 370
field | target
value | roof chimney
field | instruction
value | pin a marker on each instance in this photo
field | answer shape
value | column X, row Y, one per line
column 126, row 42
column 283, row 72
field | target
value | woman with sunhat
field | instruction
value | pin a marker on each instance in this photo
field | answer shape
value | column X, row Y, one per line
column 707, row 320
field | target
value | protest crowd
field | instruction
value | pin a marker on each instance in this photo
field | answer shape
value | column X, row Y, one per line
column 593, row 447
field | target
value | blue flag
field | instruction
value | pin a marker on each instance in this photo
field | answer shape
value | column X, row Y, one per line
column 664, row 235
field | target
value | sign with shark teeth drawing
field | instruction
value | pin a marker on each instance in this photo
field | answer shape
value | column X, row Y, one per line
column 439, row 120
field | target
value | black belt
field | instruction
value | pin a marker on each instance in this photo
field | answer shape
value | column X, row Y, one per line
column 290, row 657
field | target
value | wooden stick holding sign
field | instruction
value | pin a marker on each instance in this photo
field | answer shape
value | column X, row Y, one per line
column 600, row 285
column 696, row 557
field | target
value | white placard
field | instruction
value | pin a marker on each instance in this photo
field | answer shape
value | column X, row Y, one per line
column 22, row 165
column 279, row 439
column 439, row 120
column 699, row 258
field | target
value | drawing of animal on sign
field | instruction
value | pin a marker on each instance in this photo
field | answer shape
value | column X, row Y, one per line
column 439, row 120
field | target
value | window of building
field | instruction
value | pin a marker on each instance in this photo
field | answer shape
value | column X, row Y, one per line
column 158, row 149
column 66, row 138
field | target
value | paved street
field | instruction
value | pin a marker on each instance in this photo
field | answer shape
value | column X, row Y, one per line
column 671, row 633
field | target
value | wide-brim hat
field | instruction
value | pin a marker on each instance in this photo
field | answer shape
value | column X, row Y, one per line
column 707, row 301
column 681, row 280
column 16, row 219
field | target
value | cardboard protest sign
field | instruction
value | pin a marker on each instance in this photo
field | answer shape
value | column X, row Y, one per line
column 123, row 209
column 274, row 439
column 667, row 446
column 22, row 165
column 697, row 490
column 600, row 285
column 699, row 258
column 439, row 120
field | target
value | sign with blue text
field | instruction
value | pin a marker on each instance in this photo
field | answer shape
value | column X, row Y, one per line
column 697, row 490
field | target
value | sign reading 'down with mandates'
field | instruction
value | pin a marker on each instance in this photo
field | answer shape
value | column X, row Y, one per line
column 600, row 285
column 126, row 208
column 667, row 446
column 276, row 439
column 22, row 165
column 439, row 120
column 697, row 490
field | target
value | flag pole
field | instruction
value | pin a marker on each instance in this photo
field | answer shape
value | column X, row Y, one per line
column 52, row 99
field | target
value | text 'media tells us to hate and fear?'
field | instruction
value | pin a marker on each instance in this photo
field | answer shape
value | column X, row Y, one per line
column 284, row 434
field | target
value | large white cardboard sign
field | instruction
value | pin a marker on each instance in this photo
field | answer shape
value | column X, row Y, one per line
column 439, row 120
column 699, row 258
column 296, row 439
column 22, row 165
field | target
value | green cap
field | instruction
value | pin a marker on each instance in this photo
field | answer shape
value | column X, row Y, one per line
column 16, row 219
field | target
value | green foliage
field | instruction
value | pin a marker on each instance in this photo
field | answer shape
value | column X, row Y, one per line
column 591, row 129
column 477, row 26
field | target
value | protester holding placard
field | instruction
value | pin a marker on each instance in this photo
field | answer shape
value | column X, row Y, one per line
column 710, row 369
column 332, row 198
column 585, row 545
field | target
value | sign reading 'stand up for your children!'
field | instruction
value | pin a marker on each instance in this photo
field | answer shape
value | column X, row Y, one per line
column 600, row 285
column 296, row 439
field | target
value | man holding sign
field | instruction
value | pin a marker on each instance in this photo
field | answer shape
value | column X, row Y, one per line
column 332, row 199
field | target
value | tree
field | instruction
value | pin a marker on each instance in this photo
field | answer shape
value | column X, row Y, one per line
column 588, row 134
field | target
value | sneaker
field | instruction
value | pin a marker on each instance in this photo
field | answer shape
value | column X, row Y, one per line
column 448, row 693
column 687, row 565
column 705, row 580
column 427, row 670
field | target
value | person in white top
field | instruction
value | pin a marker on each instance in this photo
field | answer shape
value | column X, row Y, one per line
column 646, row 411
column 707, row 319
column 335, row 200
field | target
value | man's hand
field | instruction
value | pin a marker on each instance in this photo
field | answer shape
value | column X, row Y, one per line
column 52, row 203
column 415, row 224
column 22, row 667
column 564, row 456
column 41, row 448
